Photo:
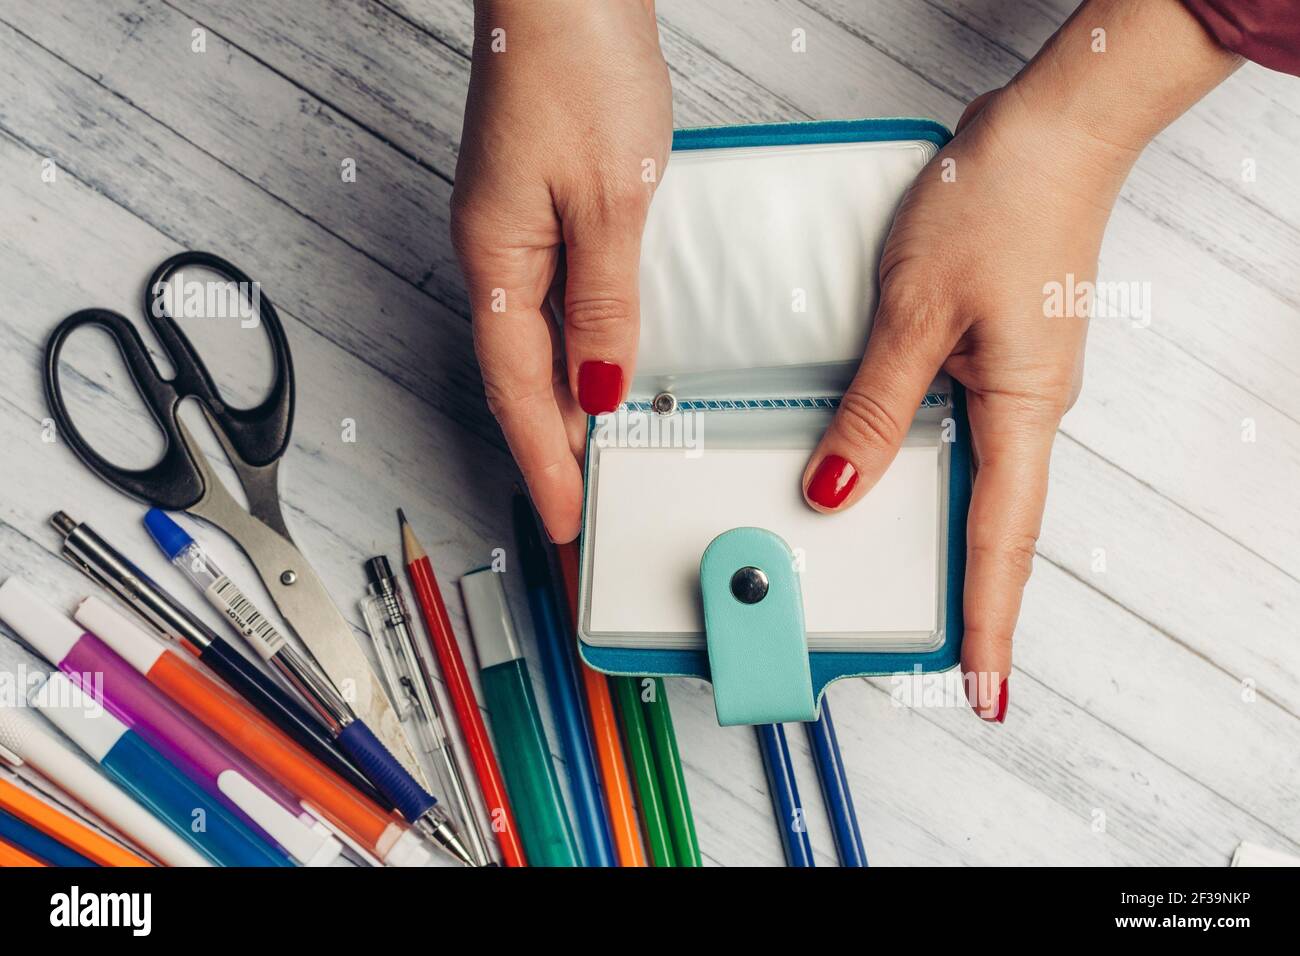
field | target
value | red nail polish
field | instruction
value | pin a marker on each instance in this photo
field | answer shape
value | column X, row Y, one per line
column 832, row 482
column 1004, row 698
column 600, row 387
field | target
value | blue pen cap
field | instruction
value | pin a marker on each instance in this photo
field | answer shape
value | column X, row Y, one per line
column 170, row 536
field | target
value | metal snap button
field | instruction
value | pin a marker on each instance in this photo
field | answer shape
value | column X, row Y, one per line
column 749, row 585
column 665, row 403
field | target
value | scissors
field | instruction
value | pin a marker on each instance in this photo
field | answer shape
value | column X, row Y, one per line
column 254, row 440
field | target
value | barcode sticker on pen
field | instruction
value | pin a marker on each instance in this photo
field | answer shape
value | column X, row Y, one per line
column 260, row 632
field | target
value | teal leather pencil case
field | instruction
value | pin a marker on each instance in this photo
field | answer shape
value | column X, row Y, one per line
column 759, row 278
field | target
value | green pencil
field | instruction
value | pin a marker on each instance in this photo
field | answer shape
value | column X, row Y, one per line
column 672, row 781
column 640, row 757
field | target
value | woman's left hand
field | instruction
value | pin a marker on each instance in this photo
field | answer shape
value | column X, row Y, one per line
column 1012, row 208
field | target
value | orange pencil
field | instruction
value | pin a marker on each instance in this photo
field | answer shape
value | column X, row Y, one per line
column 605, row 735
column 11, row 856
column 58, row 825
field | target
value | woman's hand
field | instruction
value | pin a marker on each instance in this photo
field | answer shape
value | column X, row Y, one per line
column 1017, row 202
column 567, row 130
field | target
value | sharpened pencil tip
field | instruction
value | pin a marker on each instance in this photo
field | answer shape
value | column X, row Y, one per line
column 411, row 549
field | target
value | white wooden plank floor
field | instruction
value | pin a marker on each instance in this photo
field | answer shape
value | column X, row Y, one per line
column 1155, row 717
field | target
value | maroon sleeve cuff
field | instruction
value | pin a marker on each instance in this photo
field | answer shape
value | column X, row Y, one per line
column 1266, row 31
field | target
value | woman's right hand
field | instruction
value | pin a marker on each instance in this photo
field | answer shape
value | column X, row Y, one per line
column 568, row 125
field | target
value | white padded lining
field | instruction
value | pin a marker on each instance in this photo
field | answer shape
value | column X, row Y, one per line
column 734, row 236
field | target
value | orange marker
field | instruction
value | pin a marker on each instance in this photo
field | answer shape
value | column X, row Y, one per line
column 382, row 835
column 58, row 825
column 604, row 733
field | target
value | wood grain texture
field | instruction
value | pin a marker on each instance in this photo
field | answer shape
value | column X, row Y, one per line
column 1156, row 708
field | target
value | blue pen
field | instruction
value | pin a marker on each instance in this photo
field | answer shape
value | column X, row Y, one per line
column 559, row 666
column 34, row 842
column 303, row 674
column 784, row 792
column 835, row 789
column 150, row 778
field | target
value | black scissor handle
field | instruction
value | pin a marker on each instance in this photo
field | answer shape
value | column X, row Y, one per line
column 259, row 435
column 174, row 482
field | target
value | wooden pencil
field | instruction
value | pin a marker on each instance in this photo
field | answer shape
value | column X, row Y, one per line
column 464, row 702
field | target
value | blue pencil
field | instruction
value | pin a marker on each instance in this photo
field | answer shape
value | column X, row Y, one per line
column 783, row 789
column 835, row 789
column 24, row 836
column 559, row 666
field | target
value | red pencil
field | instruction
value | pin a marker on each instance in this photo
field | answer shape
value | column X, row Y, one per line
column 461, row 691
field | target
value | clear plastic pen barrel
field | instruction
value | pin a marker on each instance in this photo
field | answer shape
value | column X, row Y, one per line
column 299, row 672
column 414, row 693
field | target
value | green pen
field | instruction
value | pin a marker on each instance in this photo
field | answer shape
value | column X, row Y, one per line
column 672, row 780
column 641, row 760
column 525, row 756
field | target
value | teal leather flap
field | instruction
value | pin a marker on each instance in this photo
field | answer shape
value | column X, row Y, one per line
column 753, row 615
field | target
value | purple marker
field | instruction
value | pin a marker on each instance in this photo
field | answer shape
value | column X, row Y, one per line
column 219, row 770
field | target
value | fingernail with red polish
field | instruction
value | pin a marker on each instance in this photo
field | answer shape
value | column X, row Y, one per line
column 600, row 387
column 1004, row 699
column 832, row 482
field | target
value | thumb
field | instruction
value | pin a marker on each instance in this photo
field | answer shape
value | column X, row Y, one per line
column 602, row 307
column 905, row 350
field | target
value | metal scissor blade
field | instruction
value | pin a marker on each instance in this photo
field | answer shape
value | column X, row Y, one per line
column 305, row 604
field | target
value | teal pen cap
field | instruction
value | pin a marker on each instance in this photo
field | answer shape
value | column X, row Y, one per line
column 525, row 756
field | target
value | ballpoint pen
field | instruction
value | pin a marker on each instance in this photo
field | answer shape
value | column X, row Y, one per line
column 835, row 788
column 260, row 802
column 53, row 822
column 18, row 832
column 11, row 856
column 641, row 760
column 442, row 640
column 163, row 614
column 357, row 740
column 784, row 791
column 672, row 778
column 414, row 692
column 29, row 744
column 604, row 732
column 560, row 669
column 151, row 779
column 359, row 822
